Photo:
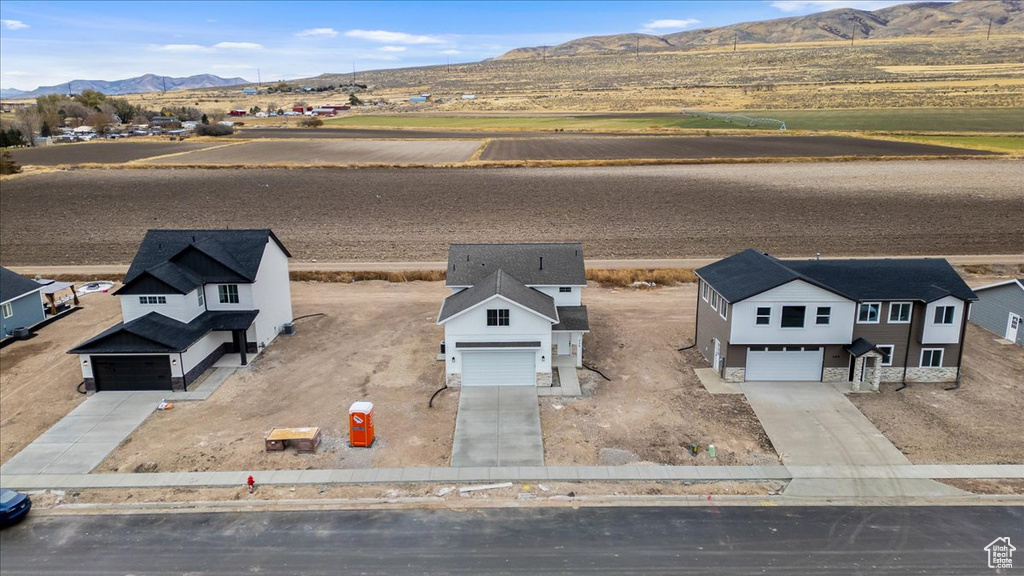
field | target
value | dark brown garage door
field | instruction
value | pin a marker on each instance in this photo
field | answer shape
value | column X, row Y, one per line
column 113, row 373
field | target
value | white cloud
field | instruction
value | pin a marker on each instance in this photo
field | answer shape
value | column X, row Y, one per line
column 318, row 33
column 180, row 48
column 238, row 46
column 392, row 48
column 670, row 24
column 810, row 6
column 450, row 52
column 14, row 24
column 385, row 36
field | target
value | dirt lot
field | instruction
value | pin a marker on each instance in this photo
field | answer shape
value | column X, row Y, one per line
column 978, row 424
column 311, row 378
column 116, row 152
column 38, row 378
column 857, row 208
column 311, row 153
column 590, row 148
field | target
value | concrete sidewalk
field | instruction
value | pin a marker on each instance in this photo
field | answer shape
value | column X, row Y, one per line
column 839, row 475
column 498, row 426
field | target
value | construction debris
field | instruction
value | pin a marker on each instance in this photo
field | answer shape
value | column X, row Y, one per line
column 466, row 489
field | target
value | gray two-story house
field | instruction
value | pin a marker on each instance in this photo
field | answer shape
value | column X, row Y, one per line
column 872, row 320
column 20, row 303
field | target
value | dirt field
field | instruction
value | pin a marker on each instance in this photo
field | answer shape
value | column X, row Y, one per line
column 116, row 152
column 38, row 378
column 617, row 212
column 311, row 153
column 706, row 147
column 311, row 378
column 978, row 424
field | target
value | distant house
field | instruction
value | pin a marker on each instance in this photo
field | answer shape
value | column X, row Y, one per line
column 237, row 113
column 249, row 91
column 163, row 120
column 871, row 320
column 20, row 303
column 322, row 112
column 514, row 308
column 190, row 296
column 418, row 99
column 1000, row 309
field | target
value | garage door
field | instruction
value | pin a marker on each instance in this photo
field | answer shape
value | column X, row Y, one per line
column 131, row 373
column 788, row 364
column 499, row 368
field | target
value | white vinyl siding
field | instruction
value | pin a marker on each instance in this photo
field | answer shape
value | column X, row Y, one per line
column 507, row 367
column 789, row 364
column 745, row 329
column 181, row 307
column 570, row 298
column 943, row 333
column 270, row 294
column 245, row 298
column 471, row 326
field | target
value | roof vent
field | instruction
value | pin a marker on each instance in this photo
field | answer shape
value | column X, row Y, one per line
column 541, row 262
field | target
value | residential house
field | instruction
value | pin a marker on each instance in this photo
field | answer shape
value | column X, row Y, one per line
column 873, row 320
column 190, row 296
column 20, row 303
column 513, row 309
column 1000, row 309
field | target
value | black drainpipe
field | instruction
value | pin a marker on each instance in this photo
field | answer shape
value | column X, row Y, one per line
column 960, row 356
column 906, row 352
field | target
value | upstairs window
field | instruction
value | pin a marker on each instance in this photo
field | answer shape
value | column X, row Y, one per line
column 497, row 317
column 8, row 310
column 199, row 295
column 764, row 316
column 724, row 310
column 704, row 291
column 868, row 313
column 152, row 300
column 944, row 314
column 714, row 300
column 899, row 313
column 823, row 316
column 228, row 293
column 793, row 316
column 565, row 289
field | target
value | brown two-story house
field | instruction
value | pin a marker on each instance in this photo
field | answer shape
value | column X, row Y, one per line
column 878, row 320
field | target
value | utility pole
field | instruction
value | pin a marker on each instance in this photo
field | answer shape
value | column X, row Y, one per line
column 735, row 41
column 989, row 35
column 165, row 84
column 449, row 65
column 259, row 80
column 638, row 49
column 544, row 54
column 853, row 33
column 353, row 74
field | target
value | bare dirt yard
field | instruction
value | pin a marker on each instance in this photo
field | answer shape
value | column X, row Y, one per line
column 378, row 342
column 116, row 152
column 590, row 148
column 38, row 378
column 849, row 208
column 322, row 151
column 980, row 423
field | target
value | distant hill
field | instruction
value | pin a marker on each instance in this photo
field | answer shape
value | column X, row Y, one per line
column 921, row 20
column 138, row 85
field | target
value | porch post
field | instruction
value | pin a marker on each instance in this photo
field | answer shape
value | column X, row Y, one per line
column 876, row 375
column 857, row 373
column 240, row 340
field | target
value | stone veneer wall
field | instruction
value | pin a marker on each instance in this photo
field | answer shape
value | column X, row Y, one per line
column 931, row 374
column 835, row 375
column 454, row 380
column 735, row 374
column 543, row 378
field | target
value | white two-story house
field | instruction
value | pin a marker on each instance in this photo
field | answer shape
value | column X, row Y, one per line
column 871, row 320
column 189, row 297
column 513, row 310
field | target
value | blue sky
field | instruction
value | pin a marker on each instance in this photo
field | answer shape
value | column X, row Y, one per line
column 45, row 43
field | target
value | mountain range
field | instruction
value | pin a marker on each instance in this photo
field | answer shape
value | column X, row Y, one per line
column 137, row 85
column 922, row 19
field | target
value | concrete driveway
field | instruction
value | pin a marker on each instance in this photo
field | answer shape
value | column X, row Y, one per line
column 498, row 426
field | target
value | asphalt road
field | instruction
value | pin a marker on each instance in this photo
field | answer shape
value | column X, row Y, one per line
column 704, row 540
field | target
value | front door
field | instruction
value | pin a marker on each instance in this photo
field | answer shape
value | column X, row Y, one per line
column 1012, row 325
column 718, row 355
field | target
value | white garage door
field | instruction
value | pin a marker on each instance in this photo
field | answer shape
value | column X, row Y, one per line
column 788, row 364
column 499, row 368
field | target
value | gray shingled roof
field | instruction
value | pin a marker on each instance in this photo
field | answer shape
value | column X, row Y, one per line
column 860, row 347
column 750, row 272
column 502, row 284
column 562, row 263
column 157, row 333
column 572, row 318
column 14, row 285
column 238, row 250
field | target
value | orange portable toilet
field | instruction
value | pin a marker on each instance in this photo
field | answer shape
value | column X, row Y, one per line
column 360, row 424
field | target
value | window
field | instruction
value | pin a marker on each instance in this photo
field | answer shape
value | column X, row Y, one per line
column 824, row 316
column 704, row 291
column 886, row 350
column 931, row 358
column 944, row 314
column 8, row 311
column 152, row 300
column 764, row 316
column 868, row 313
column 714, row 300
column 899, row 313
column 724, row 310
column 228, row 293
column 199, row 294
column 497, row 317
column 793, row 316
column 565, row 289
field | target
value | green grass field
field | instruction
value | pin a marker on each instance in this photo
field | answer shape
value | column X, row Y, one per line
column 897, row 120
column 1011, row 144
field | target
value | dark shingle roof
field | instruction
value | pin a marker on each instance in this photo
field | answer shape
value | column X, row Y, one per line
column 860, row 347
column 572, row 318
column 750, row 272
column 502, row 284
column 563, row 263
column 156, row 333
column 13, row 285
column 238, row 250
